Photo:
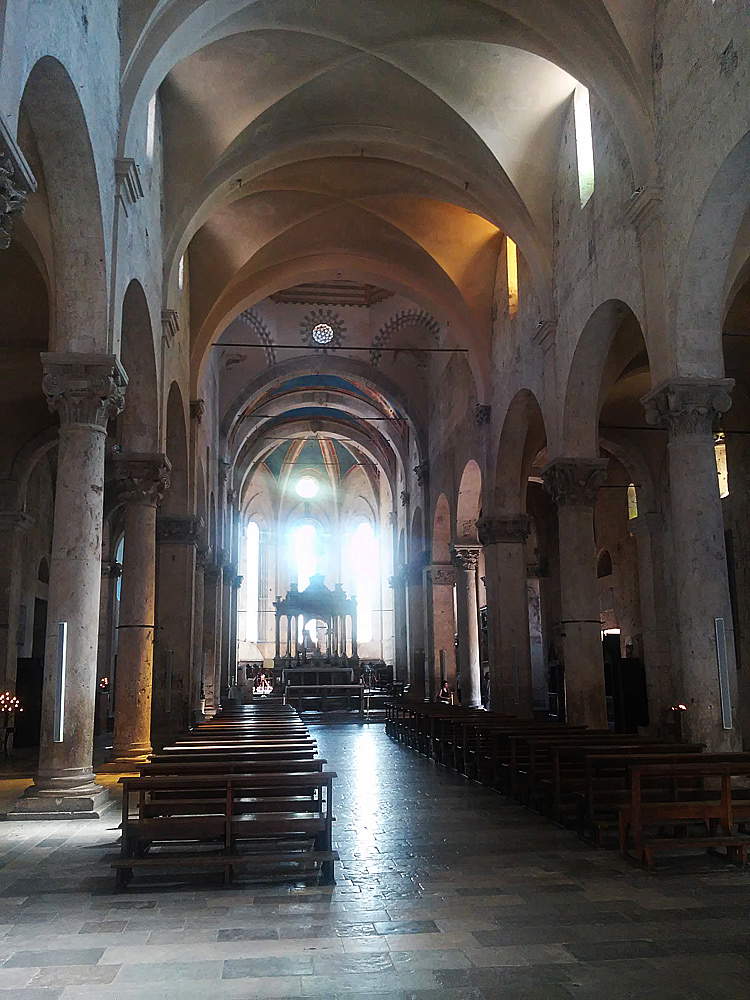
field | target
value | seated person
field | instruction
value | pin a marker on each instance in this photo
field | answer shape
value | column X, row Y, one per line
column 262, row 685
column 444, row 695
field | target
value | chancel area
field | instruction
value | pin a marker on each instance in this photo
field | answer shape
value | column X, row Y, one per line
column 374, row 499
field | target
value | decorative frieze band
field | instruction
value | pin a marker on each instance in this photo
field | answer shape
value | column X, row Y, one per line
column 575, row 482
column 688, row 406
column 493, row 530
column 83, row 388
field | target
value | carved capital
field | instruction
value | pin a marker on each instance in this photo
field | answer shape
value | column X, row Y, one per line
column 466, row 557
column 224, row 469
column 141, row 478
column 405, row 498
column 688, row 406
column 574, row 482
column 179, row 529
column 201, row 557
column 237, row 582
column 422, row 472
column 440, row 575
column 392, row 517
column 84, row 388
column 16, row 183
column 482, row 414
column 197, row 409
column 503, row 529
column 398, row 580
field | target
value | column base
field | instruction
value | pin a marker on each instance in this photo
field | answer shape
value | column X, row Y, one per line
column 89, row 801
column 127, row 761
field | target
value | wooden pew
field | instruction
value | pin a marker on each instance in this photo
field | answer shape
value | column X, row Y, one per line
column 234, row 815
column 721, row 806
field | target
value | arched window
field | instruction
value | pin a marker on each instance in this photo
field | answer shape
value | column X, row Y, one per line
column 722, row 471
column 304, row 553
column 511, row 255
column 632, row 502
column 604, row 565
column 363, row 555
column 584, row 144
column 248, row 604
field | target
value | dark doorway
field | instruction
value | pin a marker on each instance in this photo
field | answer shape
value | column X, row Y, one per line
column 29, row 681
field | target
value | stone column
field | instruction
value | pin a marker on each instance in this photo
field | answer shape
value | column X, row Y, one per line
column 235, row 584
column 439, row 580
column 465, row 559
column 86, row 390
column 141, row 481
column 111, row 573
column 401, row 655
column 177, row 538
column 211, row 633
column 504, row 541
column 13, row 527
column 228, row 575
column 196, row 688
column 656, row 618
column 688, row 408
column 415, row 633
column 573, row 484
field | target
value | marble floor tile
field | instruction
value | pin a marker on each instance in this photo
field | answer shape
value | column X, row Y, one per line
column 446, row 892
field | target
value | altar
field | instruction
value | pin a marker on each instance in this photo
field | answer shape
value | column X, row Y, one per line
column 316, row 636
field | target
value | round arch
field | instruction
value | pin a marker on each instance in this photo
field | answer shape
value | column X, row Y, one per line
column 611, row 339
column 139, row 423
column 176, row 499
column 522, row 437
column 80, row 314
column 705, row 287
column 441, row 531
column 469, row 501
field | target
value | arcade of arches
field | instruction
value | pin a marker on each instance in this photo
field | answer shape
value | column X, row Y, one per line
column 447, row 302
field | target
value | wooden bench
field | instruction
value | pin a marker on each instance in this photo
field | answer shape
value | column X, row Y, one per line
column 720, row 807
column 227, row 812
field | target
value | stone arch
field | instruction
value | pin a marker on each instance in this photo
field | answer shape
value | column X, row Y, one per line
column 24, row 333
column 611, row 339
column 139, row 423
column 441, row 531
column 704, row 289
column 58, row 122
column 176, row 498
column 522, row 437
column 469, row 501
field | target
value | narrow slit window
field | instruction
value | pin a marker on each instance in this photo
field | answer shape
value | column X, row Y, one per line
column 584, row 144
column 151, row 129
column 181, row 273
column 722, row 471
column 511, row 255
column 632, row 502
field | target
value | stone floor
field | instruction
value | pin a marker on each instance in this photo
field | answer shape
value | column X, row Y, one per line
column 445, row 891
